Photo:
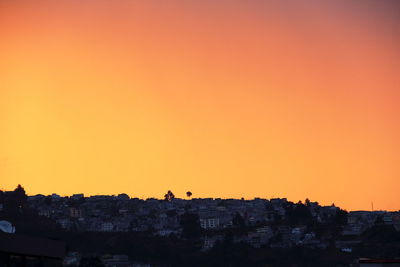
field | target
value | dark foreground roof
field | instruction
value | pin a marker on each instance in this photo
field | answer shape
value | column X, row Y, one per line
column 33, row 246
column 379, row 261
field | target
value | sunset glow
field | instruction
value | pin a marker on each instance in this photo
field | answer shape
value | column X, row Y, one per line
column 222, row 98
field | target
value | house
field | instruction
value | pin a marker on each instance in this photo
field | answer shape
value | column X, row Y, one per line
column 285, row 231
column 278, row 201
column 387, row 219
column 355, row 229
column 167, row 232
column 122, row 226
column 72, row 258
column 311, row 241
column 352, row 219
column 123, row 196
column 44, row 212
column 36, row 197
column 77, row 196
column 297, row 234
column 75, row 213
column 260, row 236
column 106, row 227
column 209, row 223
column 65, row 223
column 209, row 241
column 55, row 197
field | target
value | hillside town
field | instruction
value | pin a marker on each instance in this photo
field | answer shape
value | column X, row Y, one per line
column 274, row 222
column 206, row 222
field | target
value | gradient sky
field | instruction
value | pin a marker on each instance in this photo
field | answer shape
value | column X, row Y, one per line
column 222, row 98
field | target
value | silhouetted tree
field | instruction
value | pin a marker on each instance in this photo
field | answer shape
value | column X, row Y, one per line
column 15, row 201
column 188, row 194
column 308, row 202
column 113, row 208
column 340, row 217
column 20, row 197
column 228, row 238
column 238, row 220
column 298, row 214
column 48, row 200
column 190, row 223
column 169, row 196
column 1, row 196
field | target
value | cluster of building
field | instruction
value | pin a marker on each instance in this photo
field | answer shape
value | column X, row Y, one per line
column 265, row 220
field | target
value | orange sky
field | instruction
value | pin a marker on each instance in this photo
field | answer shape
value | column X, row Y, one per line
column 222, row 98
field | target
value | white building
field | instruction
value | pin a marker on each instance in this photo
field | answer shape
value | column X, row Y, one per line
column 107, row 227
column 209, row 223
